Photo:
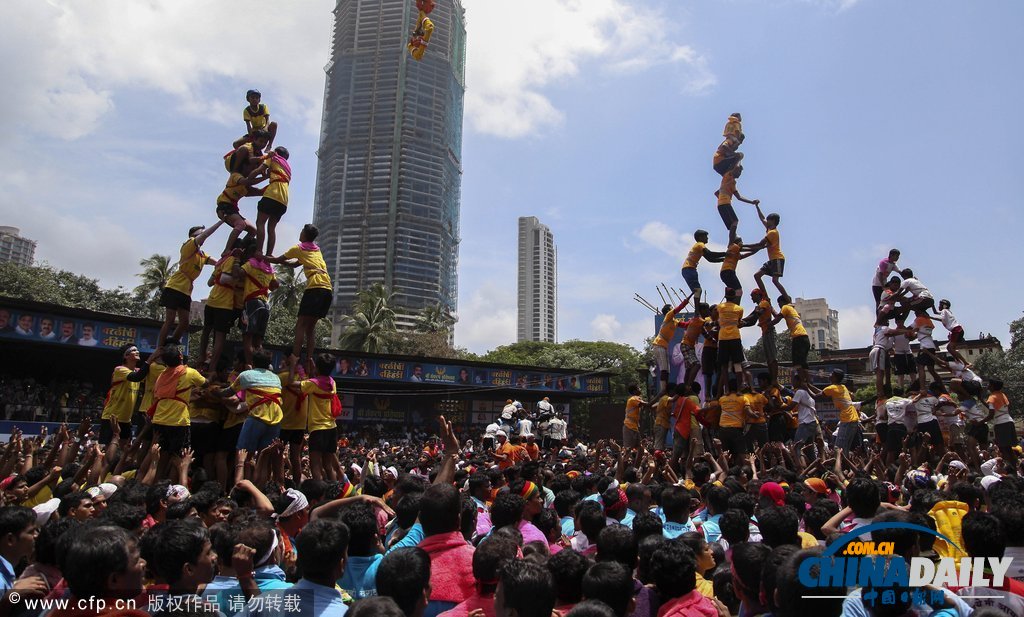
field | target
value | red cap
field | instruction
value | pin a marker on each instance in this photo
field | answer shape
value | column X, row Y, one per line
column 775, row 492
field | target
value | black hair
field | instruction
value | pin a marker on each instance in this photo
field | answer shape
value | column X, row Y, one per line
column 863, row 497
column 696, row 541
column 404, row 575
column 565, row 501
column 547, row 521
column 983, row 535
column 321, row 546
column 744, row 501
column 440, row 509
column 93, row 554
column 591, row 608
column 818, row 515
column 770, row 572
column 375, row 606
column 310, row 231
column 180, row 510
column 528, row 588
column 722, row 586
column 488, row 558
column 313, row 489
column 408, row 509
column 718, row 499
column 735, row 526
column 16, row 519
column 567, row 568
column 699, row 232
column 591, row 519
column 261, row 359
column 793, row 595
column 261, row 134
column 192, row 230
column 611, row 583
column 49, row 536
column 645, row 549
column 747, row 561
column 779, row 525
column 282, row 152
column 995, row 385
column 617, row 543
column 634, row 389
column 179, row 543
column 647, row 524
column 674, row 569
column 675, row 503
column 362, row 527
column 171, row 356
column 507, row 509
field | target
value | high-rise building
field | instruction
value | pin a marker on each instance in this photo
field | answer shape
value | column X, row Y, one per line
column 390, row 171
column 14, row 248
column 538, row 282
column 821, row 322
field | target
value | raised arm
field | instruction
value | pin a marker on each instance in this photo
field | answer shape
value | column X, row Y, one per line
column 209, row 231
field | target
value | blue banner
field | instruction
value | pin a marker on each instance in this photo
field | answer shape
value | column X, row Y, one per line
column 36, row 327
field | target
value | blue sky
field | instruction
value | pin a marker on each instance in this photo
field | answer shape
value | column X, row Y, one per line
column 869, row 124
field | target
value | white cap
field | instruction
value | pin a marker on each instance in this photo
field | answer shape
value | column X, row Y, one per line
column 177, row 492
column 393, row 471
column 958, row 465
column 500, row 433
column 988, row 481
column 45, row 510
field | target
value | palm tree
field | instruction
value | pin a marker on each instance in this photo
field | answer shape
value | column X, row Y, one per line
column 289, row 290
column 156, row 271
column 371, row 327
column 434, row 319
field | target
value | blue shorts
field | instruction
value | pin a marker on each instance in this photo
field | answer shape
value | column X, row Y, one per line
column 257, row 434
column 691, row 278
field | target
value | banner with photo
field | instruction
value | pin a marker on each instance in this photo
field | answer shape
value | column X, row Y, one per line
column 37, row 327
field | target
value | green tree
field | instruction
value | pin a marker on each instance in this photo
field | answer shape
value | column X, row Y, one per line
column 1007, row 366
column 434, row 319
column 45, row 283
column 371, row 327
column 291, row 284
column 156, row 271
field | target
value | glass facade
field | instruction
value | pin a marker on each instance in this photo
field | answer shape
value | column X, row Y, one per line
column 390, row 171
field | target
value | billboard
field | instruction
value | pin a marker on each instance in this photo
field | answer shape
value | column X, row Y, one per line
column 39, row 327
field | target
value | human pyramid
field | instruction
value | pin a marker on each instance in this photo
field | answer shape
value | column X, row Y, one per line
column 746, row 417
column 226, row 412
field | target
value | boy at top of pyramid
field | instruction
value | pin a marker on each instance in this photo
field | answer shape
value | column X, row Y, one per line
column 726, row 156
column 257, row 118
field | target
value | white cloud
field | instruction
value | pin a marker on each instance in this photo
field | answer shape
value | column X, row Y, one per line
column 488, row 319
column 856, row 324
column 607, row 327
column 546, row 42
column 71, row 57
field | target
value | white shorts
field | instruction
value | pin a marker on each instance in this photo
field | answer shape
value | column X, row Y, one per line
column 878, row 359
column 661, row 357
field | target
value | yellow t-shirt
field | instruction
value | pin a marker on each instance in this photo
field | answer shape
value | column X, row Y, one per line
column 733, row 408
column 313, row 266
column 793, row 321
column 694, row 327
column 234, row 190
column 733, row 127
column 765, row 318
column 661, row 413
column 843, row 401
column 758, row 402
column 121, row 398
column 261, row 402
column 693, row 257
column 726, row 189
column 668, row 330
column 317, row 408
column 729, row 316
column 259, row 119
column 222, row 295
column 207, row 408
column 147, row 397
column 632, row 420
column 190, row 264
column 732, row 256
column 175, row 411
column 257, row 282
column 774, row 247
column 294, row 415
column 279, row 179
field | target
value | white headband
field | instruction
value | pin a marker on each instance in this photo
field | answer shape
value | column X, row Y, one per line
column 298, row 504
column 270, row 553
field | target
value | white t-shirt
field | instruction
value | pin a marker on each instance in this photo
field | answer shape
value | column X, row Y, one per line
column 880, row 338
column 508, row 411
column 882, row 272
column 805, row 406
column 949, row 322
column 1002, row 415
column 946, row 406
column 525, row 427
column 915, row 288
column 491, row 430
column 962, row 372
column 556, row 428
column 896, row 409
column 924, row 336
column 545, row 407
column 901, row 344
column 881, row 414
column 974, row 410
column 925, row 407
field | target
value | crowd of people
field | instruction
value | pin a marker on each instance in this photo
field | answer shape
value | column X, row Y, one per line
column 29, row 399
column 239, row 495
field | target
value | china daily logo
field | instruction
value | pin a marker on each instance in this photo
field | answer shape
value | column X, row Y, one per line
column 849, row 562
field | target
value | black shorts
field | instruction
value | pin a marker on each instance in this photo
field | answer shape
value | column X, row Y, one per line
column 219, row 319
column 727, row 163
column 730, row 279
column 227, row 440
column 728, row 215
column 733, row 441
column 1006, row 435
column 905, row 364
column 272, row 208
column 316, row 303
column 257, row 316
column 730, row 352
column 204, row 439
column 175, row 300
column 881, row 429
column 107, row 433
column 894, row 436
column 774, row 267
column 291, row 435
column 979, row 431
column 172, row 439
column 324, row 441
column 925, row 359
column 801, row 347
column 224, row 211
column 933, row 430
column 778, row 427
column 709, row 360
